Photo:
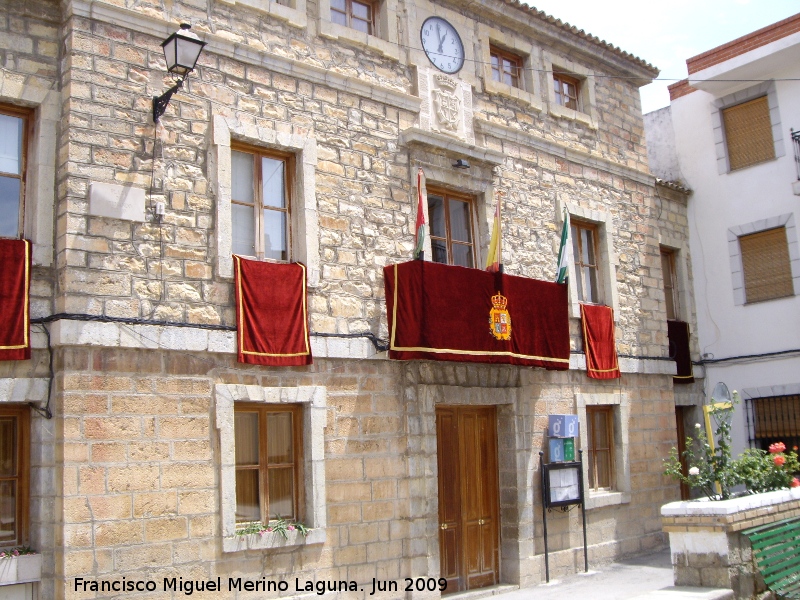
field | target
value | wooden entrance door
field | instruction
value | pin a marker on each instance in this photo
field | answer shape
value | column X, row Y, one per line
column 468, row 496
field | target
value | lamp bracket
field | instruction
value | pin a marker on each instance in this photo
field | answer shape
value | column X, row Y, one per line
column 161, row 102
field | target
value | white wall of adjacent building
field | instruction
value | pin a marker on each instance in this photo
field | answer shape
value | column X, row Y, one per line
column 760, row 195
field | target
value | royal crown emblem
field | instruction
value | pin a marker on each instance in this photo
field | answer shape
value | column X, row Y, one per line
column 499, row 319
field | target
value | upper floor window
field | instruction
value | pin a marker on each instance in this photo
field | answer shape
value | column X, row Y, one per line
column 14, row 466
column 13, row 128
column 260, row 203
column 450, row 219
column 354, row 14
column 766, row 265
column 566, row 89
column 584, row 250
column 506, row 67
column 670, row 287
column 748, row 133
column 268, row 442
column 600, row 423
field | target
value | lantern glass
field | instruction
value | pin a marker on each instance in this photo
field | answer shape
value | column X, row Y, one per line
column 181, row 51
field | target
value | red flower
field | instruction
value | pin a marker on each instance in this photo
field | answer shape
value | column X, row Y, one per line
column 777, row 447
column 795, row 482
column 779, row 460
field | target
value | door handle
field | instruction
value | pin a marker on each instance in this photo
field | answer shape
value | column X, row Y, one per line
column 443, row 526
column 481, row 521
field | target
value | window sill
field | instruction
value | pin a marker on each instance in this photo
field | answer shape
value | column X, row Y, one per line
column 563, row 112
column 335, row 31
column 269, row 541
column 20, row 569
column 601, row 499
column 503, row 89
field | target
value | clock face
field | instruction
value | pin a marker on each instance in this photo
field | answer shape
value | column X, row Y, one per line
column 442, row 44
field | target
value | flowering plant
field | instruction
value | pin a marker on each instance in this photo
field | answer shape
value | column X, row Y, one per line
column 715, row 473
column 280, row 526
column 18, row 551
column 711, row 470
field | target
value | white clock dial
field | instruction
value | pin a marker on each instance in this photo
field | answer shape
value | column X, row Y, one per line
column 442, row 44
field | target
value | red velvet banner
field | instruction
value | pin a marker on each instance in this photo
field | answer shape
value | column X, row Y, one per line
column 441, row 312
column 15, row 286
column 678, row 336
column 271, row 313
column 598, row 342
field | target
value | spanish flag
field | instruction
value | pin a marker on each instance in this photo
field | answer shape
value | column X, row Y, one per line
column 493, row 259
column 419, row 232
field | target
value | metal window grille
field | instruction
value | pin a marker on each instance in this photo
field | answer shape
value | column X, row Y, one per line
column 773, row 419
column 796, row 140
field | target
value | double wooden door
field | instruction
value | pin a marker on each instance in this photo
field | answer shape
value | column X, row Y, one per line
column 468, row 496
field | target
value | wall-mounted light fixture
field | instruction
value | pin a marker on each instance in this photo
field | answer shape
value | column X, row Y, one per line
column 461, row 164
column 181, row 49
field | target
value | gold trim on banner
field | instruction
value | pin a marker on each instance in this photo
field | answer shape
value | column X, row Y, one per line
column 392, row 345
column 241, row 316
column 25, row 324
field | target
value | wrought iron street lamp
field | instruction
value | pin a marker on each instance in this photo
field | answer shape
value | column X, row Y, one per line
column 181, row 50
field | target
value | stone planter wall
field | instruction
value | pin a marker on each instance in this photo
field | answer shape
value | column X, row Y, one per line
column 706, row 543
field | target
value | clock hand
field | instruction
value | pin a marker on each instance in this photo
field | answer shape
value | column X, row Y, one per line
column 441, row 42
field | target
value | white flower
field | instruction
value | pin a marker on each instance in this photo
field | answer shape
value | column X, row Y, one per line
column 694, row 471
column 697, row 425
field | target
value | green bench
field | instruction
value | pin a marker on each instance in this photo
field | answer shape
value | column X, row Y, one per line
column 776, row 549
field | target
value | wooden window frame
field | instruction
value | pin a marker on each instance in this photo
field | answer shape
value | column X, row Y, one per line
column 27, row 122
column 258, row 199
column 670, row 280
column 22, row 414
column 741, row 145
column 566, row 101
column 446, row 196
column 499, row 70
column 348, row 15
column 781, row 285
column 580, row 265
column 593, row 448
column 263, row 467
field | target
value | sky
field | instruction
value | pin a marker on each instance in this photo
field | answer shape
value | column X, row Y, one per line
column 665, row 34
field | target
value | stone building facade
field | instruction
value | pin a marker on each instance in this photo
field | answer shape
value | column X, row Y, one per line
column 134, row 372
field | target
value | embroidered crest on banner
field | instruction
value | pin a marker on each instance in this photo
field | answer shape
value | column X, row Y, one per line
column 448, row 106
column 499, row 319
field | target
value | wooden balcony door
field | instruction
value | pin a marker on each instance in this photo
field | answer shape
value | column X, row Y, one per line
column 468, row 496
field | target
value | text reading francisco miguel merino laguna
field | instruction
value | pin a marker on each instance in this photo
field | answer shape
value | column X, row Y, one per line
column 239, row 584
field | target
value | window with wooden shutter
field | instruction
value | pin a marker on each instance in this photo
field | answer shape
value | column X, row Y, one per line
column 765, row 262
column 748, row 133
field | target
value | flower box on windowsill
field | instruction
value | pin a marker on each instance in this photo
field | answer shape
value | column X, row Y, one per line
column 256, row 541
column 20, row 569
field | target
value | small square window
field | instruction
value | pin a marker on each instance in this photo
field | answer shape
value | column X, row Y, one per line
column 354, row 14
column 584, row 251
column 567, row 90
column 766, row 266
column 600, row 422
column 748, row 133
column 506, row 67
column 450, row 219
column 260, row 203
column 13, row 155
column 268, row 442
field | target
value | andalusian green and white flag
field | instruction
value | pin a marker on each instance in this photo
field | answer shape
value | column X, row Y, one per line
column 561, row 268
